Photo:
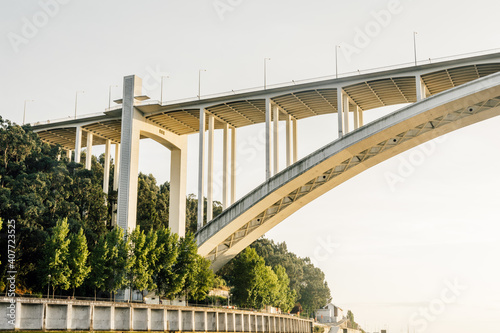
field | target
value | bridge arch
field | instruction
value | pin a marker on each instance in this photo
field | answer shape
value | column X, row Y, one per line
column 286, row 192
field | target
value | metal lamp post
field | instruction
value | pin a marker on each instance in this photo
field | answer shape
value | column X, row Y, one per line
column 24, row 114
column 48, row 287
column 265, row 72
column 76, row 100
column 109, row 99
column 415, row 46
column 199, row 82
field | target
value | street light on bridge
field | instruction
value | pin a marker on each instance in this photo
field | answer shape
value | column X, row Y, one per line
column 265, row 72
column 109, row 100
column 76, row 99
column 415, row 46
column 24, row 114
column 337, row 47
column 199, row 82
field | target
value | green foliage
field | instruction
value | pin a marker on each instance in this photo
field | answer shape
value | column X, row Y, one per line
column 204, row 279
column 256, row 285
column 37, row 190
column 306, row 280
column 285, row 297
column 111, row 262
column 77, row 258
column 165, row 274
column 143, row 259
column 56, row 263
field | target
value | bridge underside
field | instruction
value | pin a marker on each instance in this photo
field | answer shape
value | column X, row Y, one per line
column 366, row 94
column 279, row 197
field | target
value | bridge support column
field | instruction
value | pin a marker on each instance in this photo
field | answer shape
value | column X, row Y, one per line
column 340, row 108
column 346, row 112
column 268, row 138
column 201, row 168
column 210, row 176
column 360, row 116
column 129, row 155
column 88, row 159
column 421, row 88
column 178, row 177
column 356, row 117
column 78, row 144
column 233, row 165
column 116, row 178
column 288, row 140
column 107, row 160
column 225, row 167
column 294, row 125
column 276, row 119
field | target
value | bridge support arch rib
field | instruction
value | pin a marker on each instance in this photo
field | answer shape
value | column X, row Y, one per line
column 135, row 126
column 283, row 194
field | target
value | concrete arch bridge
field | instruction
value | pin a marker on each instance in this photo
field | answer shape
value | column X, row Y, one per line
column 440, row 97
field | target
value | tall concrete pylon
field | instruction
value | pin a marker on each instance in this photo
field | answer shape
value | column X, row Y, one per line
column 134, row 125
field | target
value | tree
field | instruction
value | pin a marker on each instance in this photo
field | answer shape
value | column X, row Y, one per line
column 56, row 261
column 141, row 272
column 78, row 255
column 306, row 280
column 285, row 296
column 147, row 193
column 99, row 274
column 203, row 281
column 254, row 283
column 119, row 260
column 185, row 267
column 164, row 274
column 110, row 261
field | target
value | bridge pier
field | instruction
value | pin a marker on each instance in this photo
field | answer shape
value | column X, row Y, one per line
column 78, row 144
column 88, row 154
column 134, row 126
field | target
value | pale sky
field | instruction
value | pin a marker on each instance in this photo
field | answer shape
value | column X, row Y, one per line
column 389, row 251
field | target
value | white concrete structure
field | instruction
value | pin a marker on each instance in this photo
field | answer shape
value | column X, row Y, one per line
column 329, row 314
column 435, row 89
column 43, row 314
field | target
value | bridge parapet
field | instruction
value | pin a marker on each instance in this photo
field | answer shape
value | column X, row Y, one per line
column 45, row 314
